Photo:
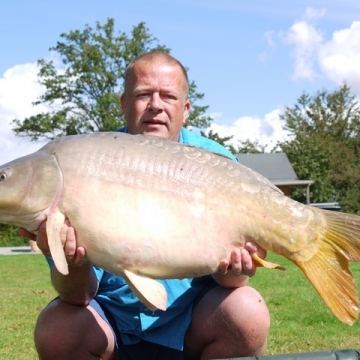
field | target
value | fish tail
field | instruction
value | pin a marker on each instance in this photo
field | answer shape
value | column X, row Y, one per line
column 328, row 270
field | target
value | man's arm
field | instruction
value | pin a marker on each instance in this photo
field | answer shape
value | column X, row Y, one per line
column 81, row 284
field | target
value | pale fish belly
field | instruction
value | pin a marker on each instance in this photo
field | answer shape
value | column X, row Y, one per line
column 152, row 234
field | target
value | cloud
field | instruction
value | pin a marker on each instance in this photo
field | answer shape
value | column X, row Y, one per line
column 312, row 14
column 305, row 39
column 18, row 89
column 339, row 58
column 267, row 131
column 336, row 59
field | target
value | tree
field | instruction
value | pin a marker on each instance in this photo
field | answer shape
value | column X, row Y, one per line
column 325, row 146
column 243, row 147
column 251, row 147
column 84, row 95
column 220, row 140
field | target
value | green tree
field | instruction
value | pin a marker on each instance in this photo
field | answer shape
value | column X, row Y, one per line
column 83, row 96
column 251, row 147
column 224, row 141
column 10, row 237
column 324, row 145
column 243, row 147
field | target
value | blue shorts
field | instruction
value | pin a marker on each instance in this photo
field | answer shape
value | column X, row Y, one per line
column 143, row 349
column 140, row 351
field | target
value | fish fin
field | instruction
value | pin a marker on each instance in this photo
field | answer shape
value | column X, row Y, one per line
column 259, row 262
column 54, row 223
column 149, row 291
column 328, row 270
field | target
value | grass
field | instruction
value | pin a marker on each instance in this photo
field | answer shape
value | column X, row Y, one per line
column 25, row 290
column 300, row 320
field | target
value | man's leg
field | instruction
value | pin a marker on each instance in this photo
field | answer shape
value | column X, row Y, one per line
column 228, row 323
column 65, row 331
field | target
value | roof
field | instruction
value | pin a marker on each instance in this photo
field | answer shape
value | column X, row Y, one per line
column 334, row 206
column 274, row 166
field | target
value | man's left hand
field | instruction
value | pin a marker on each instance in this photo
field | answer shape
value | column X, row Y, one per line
column 241, row 262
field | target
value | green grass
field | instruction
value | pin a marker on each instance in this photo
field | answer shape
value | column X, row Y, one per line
column 301, row 322
column 25, row 290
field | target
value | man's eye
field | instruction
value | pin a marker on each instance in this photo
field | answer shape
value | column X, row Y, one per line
column 142, row 95
column 169, row 96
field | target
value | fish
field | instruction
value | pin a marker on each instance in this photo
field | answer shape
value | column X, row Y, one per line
column 147, row 208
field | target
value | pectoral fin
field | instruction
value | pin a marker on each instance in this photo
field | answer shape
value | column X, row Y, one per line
column 259, row 262
column 54, row 223
column 149, row 291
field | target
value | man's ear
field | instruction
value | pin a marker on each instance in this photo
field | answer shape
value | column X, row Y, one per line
column 123, row 102
column 187, row 108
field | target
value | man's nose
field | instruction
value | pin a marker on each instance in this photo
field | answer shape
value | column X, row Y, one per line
column 155, row 102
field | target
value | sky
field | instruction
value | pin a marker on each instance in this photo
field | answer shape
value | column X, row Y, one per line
column 251, row 59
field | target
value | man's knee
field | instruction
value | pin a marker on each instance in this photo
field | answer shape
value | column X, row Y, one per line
column 236, row 321
column 56, row 329
column 250, row 317
column 247, row 314
column 63, row 330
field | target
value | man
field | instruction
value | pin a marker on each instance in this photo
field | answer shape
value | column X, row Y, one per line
column 96, row 315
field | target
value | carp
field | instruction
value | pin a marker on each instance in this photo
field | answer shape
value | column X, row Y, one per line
column 146, row 208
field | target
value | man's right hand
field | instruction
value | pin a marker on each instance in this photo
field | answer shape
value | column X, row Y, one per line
column 75, row 256
column 81, row 284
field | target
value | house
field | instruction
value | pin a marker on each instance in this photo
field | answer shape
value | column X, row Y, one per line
column 277, row 168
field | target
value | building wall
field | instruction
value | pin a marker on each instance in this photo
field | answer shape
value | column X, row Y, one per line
column 285, row 190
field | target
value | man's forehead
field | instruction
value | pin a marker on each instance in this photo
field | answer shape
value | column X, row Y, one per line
column 155, row 68
column 166, row 76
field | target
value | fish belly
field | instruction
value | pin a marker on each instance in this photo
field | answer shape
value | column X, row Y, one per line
column 157, row 234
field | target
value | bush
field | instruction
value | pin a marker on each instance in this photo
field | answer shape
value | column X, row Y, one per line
column 10, row 237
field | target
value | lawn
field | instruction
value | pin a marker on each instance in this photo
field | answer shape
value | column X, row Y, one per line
column 300, row 320
column 25, row 290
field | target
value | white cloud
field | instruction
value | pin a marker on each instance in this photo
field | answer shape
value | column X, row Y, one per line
column 267, row 131
column 18, row 89
column 269, row 38
column 314, row 14
column 339, row 58
column 305, row 39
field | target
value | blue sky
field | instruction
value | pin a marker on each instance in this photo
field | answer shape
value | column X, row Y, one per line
column 250, row 58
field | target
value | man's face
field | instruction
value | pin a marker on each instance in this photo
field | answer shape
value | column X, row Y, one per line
column 155, row 102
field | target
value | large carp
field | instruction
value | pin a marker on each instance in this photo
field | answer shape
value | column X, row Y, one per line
column 146, row 208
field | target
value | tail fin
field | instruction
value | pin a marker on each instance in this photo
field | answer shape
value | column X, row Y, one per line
column 328, row 270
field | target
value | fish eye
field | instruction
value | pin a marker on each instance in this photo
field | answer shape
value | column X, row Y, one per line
column 4, row 174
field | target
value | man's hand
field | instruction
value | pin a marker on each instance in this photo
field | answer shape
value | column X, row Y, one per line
column 75, row 256
column 81, row 284
column 241, row 266
column 241, row 261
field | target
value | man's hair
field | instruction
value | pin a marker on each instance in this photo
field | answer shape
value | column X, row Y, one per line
column 155, row 56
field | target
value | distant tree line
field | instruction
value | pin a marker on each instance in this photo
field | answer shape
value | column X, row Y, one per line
column 84, row 97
